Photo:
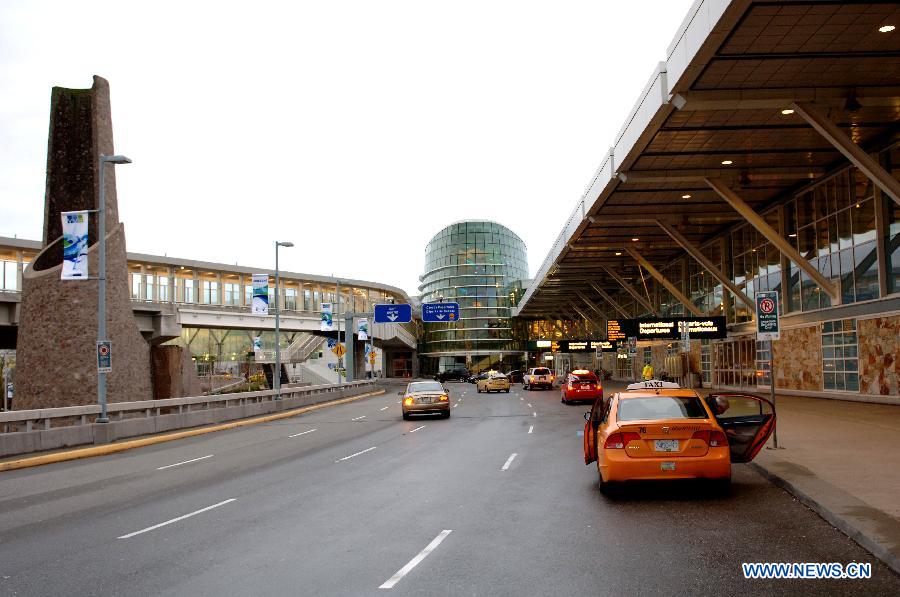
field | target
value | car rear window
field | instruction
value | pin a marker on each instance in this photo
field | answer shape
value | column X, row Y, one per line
column 542, row 371
column 661, row 407
column 497, row 376
column 424, row 386
column 586, row 377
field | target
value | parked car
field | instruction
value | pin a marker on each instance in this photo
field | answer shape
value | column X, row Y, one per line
column 456, row 374
column 515, row 376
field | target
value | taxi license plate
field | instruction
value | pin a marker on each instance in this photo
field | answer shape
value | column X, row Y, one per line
column 425, row 400
column 665, row 445
column 667, row 466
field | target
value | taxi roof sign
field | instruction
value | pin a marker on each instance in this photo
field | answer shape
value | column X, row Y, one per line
column 654, row 384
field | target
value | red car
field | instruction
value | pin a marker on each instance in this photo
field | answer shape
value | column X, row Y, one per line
column 580, row 386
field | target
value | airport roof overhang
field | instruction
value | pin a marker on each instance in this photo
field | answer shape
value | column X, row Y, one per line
column 731, row 110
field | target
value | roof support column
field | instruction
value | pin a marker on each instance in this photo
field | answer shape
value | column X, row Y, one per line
column 665, row 282
column 853, row 152
column 786, row 248
column 695, row 252
column 630, row 290
column 609, row 300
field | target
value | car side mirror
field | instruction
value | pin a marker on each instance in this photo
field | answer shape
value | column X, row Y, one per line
column 446, row 391
column 587, row 416
column 399, row 393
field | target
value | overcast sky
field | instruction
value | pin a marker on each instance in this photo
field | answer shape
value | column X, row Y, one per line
column 355, row 129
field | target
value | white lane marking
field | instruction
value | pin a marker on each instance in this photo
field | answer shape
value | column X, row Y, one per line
column 529, row 405
column 302, row 433
column 357, row 454
column 530, row 429
column 398, row 402
column 522, row 399
column 168, row 522
column 358, row 418
column 389, row 583
column 385, row 408
column 416, row 429
column 533, row 414
column 455, row 405
column 508, row 462
column 185, row 462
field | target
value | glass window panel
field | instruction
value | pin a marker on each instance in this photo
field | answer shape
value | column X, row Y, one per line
column 862, row 216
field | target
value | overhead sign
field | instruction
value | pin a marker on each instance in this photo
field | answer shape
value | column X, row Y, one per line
column 584, row 345
column 671, row 328
column 401, row 313
column 104, row 356
column 767, row 324
column 440, row 312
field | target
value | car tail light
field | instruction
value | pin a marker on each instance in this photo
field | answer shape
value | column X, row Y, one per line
column 443, row 399
column 618, row 441
column 408, row 400
column 552, row 378
column 571, row 387
column 714, row 439
column 531, row 378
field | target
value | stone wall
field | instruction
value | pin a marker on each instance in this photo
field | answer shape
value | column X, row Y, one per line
column 798, row 359
column 879, row 349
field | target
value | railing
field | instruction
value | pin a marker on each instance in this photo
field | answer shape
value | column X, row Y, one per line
column 49, row 428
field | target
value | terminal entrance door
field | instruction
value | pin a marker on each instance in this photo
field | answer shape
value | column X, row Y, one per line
column 734, row 363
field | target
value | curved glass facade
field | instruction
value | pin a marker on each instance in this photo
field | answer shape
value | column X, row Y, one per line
column 481, row 265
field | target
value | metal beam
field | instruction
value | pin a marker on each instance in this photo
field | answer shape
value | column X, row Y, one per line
column 853, row 152
column 690, row 306
column 628, row 288
column 777, row 99
column 696, row 175
column 695, row 252
column 590, row 304
column 591, row 320
column 786, row 248
column 610, row 300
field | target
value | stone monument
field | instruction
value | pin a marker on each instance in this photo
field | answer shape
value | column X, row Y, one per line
column 57, row 362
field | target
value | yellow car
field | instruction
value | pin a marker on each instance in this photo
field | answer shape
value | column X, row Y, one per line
column 657, row 430
column 494, row 382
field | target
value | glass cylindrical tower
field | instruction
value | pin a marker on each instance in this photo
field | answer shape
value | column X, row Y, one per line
column 481, row 265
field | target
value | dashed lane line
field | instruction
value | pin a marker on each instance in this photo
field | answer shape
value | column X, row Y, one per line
column 302, row 433
column 355, row 455
column 530, row 429
column 508, row 462
column 417, row 428
column 389, row 583
column 174, row 520
column 358, row 418
column 185, row 462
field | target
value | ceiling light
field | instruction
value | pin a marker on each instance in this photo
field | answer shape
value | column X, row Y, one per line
column 793, row 235
column 635, row 239
column 727, row 162
column 686, row 196
column 787, row 111
column 886, row 28
column 618, row 253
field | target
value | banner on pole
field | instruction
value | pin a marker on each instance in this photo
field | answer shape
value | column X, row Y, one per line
column 260, row 294
column 75, row 245
column 327, row 322
column 362, row 328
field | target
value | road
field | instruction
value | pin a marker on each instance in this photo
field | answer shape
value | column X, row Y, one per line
column 345, row 500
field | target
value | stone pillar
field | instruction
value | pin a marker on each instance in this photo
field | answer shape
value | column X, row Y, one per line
column 58, row 329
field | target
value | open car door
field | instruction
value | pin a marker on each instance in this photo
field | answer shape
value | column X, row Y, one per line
column 592, row 422
column 748, row 421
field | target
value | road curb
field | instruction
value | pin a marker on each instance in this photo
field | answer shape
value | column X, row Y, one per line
column 878, row 547
column 149, row 441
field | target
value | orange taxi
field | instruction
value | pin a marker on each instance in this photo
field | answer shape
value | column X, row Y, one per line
column 657, row 430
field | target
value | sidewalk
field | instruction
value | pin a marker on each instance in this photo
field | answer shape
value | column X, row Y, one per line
column 842, row 460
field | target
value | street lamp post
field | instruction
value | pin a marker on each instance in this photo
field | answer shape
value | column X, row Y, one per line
column 101, row 275
column 277, row 376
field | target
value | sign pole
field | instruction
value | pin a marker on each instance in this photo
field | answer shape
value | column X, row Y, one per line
column 768, row 327
column 772, row 388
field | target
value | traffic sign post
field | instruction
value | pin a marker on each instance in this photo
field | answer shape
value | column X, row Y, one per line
column 440, row 312
column 400, row 313
column 768, row 327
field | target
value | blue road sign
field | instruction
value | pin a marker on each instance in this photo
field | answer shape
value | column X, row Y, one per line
column 331, row 342
column 400, row 313
column 440, row 312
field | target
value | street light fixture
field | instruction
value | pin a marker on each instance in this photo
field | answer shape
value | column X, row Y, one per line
column 101, row 276
column 277, row 376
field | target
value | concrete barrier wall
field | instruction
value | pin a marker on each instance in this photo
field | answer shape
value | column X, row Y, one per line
column 26, row 442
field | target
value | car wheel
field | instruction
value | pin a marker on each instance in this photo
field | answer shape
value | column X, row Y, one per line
column 507, row 390
column 406, row 416
column 446, row 415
